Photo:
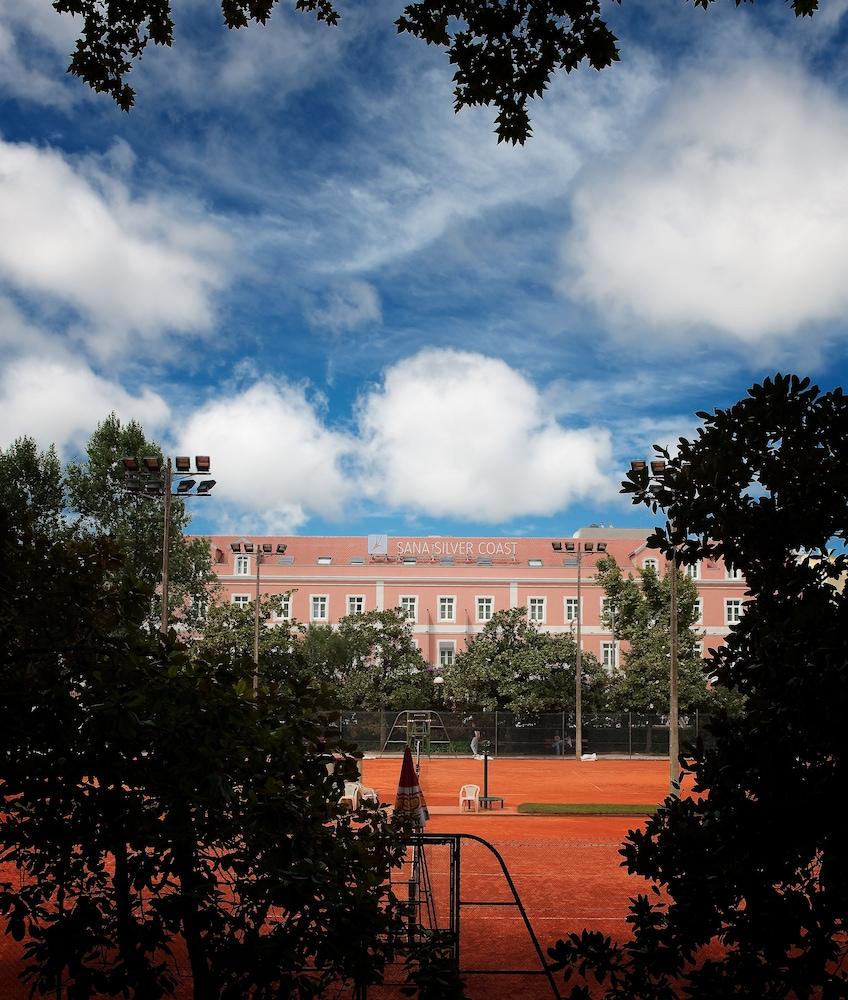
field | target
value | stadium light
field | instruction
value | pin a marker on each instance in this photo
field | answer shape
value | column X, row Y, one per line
column 658, row 471
column 153, row 481
column 576, row 550
column 262, row 550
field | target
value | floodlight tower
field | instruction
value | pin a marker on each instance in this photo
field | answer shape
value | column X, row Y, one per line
column 576, row 549
column 658, row 471
column 263, row 549
column 150, row 479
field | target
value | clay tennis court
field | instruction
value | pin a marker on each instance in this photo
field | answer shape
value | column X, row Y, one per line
column 565, row 868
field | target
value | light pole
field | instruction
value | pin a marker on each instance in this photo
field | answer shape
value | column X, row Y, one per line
column 576, row 550
column 262, row 549
column 658, row 468
column 151, row 479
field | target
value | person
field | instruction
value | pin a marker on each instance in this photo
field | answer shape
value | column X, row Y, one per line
column 475, row 742
column 556, row 744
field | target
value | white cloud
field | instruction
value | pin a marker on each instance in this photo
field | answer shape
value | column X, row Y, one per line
column 347, row 306
column 35, row 49
column 253, row 69
column 61, row 402
column 446, row 433
column 419, row 171
column 132, row 269
column 271, row 453
column 730, row 213
column 462, row 434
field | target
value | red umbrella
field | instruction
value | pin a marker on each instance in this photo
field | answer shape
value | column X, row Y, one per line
column 410, row 798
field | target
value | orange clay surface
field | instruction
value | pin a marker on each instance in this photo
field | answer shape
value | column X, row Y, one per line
column 517, row 780
column 566, row 869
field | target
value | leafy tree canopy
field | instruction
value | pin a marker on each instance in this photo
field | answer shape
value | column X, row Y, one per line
column 513, row 666
column 639, row 612
column 31, row 483
column 752, row 873
column 375, row 662
column 135, row 523
column 151, row 803
column 505, row 52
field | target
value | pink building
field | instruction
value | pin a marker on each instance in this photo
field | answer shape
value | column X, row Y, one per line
column 450, row 587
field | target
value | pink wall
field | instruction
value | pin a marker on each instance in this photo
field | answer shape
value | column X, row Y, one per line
column 511, row 571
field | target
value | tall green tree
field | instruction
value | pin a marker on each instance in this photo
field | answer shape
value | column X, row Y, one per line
column 511, row 665
column 229, row 629
column 376, row 662
column 505, row 53
column 151, row 801
column 31, row 484
column 752, row 873
column 136, row 523
column 638, row 611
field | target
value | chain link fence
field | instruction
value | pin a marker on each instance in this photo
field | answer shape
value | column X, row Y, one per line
column 507, row 734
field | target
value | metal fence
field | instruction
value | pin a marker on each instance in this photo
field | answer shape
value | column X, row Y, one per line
column 628, row 734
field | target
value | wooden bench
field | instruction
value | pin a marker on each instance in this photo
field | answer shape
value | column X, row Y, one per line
column 487, row 801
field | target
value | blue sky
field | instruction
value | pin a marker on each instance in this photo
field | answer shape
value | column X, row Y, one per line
column 293, row 256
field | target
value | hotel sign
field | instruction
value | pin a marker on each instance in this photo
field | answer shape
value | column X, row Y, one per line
column 456, row 547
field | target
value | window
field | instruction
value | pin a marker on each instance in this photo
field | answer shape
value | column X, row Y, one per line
column 608, row 655
column 571, row 609
column 732, row 611
column 324, row 560
column 355, row 604
column 285, row 607
column 699, row 611
column 534, row 562
column 693, row 571
column 606, row 609
column 447, row 609
column 447, row 654
column 409, row 605
column 241, row 599
column 409, row 560
column 318, row 605
column 485, row 608
column 242, row 566
column 536, row 609
column 651, row 564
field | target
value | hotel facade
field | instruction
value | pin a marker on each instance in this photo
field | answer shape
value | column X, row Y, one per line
column 449, row 587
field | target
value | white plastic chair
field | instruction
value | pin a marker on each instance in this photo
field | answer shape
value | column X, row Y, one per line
column 367, row 794
column 352, row 792
column 469, row 798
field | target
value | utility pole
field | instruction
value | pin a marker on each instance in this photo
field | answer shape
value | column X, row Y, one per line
column 673, row 727
column 256, row 627
column 166, row 543
column 149, row 479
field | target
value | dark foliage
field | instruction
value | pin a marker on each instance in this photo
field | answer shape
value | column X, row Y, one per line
column 750, row 880
column 148, row 798
column 505, row 51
